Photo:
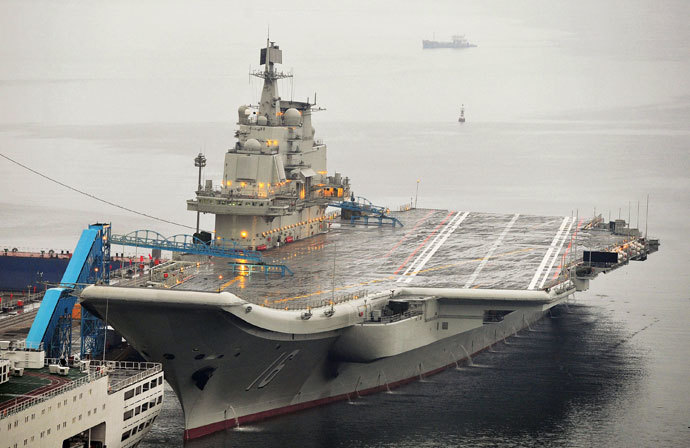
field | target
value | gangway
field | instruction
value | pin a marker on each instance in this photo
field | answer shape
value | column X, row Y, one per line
column 361, row 211
column 53, row 323
column 248, row 268
column 185, row 243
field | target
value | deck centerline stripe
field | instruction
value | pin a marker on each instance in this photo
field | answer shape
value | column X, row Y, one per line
column 423, row 243
column 438, row 245
column 491, row 251
column 555, row 254
column 540, row 269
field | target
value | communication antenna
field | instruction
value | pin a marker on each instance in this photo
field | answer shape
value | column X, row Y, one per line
column 646, row 219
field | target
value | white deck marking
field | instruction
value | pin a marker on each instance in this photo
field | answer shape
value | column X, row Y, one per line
column 488, row 255
column 437, row 247
column 540, row 269
column 426, row 248
column 556, row 253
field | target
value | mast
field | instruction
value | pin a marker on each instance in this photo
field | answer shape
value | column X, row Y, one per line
column 269, row 105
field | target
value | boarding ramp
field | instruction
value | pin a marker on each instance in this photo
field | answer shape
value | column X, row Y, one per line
column 360, row 210
column 53, row 323
column 186, row 243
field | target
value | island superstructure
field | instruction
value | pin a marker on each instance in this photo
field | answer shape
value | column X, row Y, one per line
column 275, row 185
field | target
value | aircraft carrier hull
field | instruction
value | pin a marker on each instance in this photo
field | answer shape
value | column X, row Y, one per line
column 227, row 373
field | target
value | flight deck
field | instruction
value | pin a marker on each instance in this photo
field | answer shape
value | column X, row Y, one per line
column 434, row 248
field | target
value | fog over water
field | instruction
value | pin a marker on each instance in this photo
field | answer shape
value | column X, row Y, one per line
column 570, row 106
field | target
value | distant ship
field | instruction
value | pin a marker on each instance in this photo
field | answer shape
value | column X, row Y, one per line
column 462, row 114
column 459, row 41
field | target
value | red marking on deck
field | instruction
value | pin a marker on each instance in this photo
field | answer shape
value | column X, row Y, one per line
column 55, row 382
column 417, row 224
column 423, row 242
column 565, row 254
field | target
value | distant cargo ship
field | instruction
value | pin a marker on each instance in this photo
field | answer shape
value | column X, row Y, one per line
column 458, row 41
column 22, row 271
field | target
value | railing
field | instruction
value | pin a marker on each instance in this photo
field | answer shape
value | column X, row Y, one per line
column 290, row 304
column 104, row 367
column 18, row 407
column 248, row 192
column 23, row 345
column 115, row 386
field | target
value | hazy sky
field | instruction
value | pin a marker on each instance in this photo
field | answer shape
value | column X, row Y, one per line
column 140, row 61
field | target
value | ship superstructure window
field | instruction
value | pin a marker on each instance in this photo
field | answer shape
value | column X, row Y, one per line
column 129, row 394
column 128, row 414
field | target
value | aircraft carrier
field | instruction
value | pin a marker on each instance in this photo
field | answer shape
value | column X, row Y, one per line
column 320, row 305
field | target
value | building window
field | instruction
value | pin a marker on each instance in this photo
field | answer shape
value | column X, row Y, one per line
column 129, row 394
column 125, row 436
column 444, row 325
column 127, row 415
